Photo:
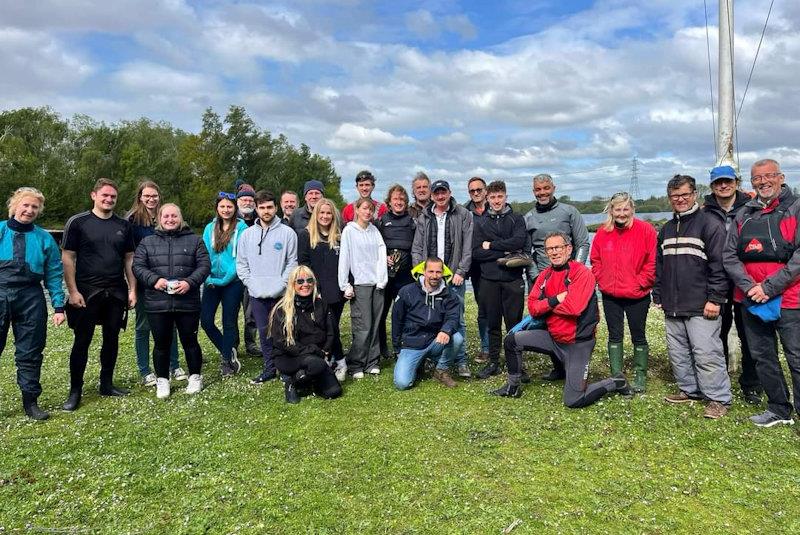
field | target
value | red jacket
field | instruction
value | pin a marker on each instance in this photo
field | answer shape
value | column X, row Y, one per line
column 349, row 211
column 575, row 319
column 624, row 260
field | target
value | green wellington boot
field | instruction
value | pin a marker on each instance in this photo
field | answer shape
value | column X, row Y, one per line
column 640, row 356
column 615, row 357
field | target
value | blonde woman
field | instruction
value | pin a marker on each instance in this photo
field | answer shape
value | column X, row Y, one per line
column 22, row 303
column 318, row 248
column 623, row 260
column 171, row 265
column 302, row 336
column 363, row 257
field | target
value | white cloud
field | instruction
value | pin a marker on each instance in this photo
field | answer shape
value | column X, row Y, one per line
column 149, row 78
column 422, row 23
column 351, row 136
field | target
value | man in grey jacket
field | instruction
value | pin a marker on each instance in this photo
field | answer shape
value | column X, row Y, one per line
column 266, row 255
column 444, row 230
column 550, row 215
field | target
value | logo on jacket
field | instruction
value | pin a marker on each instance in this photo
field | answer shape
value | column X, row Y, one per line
column 278, row 246
column 754, row 247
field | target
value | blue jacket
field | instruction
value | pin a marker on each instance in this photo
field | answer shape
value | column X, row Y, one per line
column 28, row 256
column 223, row 264
column 418, row 316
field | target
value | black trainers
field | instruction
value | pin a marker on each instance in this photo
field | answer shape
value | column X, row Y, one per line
column 290, row 392
column 264, row 377
column 492, row 368
column 113, row 391
column 524, row 378
column 226, row 368
column 554, row 375
column 753, row 397
column 621, row 385
column 508, row 391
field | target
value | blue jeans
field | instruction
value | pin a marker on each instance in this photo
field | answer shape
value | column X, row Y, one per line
column 461, row 356
column 405, row 371
column 262, row 308
column 230, row 296
column 141, row 340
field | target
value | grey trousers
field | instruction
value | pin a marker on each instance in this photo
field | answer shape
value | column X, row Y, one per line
column 365, row 316
column 697, row 359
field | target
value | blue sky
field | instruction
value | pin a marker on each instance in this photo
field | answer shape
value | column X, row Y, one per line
column 503, row 89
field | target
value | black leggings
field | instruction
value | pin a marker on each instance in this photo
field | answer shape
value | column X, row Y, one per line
column 109, row 312
column 392, row 288
column 317, row 371
column 615, row 308
column 162, row 325
column 335, row 310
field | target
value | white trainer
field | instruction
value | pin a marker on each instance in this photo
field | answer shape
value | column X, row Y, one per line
column 341, row 371
column 374, row 371
column 149, row 380
column 162, row 388
column 195, row 384
column 179, row 374
column 358, row 375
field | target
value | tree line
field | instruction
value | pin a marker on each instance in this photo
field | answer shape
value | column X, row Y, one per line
column 63, row 158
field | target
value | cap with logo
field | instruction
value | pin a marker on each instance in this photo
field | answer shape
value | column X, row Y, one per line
column 440, row 184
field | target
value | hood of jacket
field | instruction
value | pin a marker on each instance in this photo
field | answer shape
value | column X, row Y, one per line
column 710, row 203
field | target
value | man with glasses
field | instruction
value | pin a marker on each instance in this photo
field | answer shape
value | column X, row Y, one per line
column 690, row 288
column 762, row 259
column 551, row 215
column 564, row 298
column 724, row 202
column 476, row 187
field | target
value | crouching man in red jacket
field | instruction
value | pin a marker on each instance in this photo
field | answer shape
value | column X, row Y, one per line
column 564, row 297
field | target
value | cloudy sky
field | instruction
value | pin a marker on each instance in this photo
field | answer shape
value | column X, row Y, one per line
column 503, row 89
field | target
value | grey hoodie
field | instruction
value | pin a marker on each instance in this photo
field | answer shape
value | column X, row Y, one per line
column 265, row 258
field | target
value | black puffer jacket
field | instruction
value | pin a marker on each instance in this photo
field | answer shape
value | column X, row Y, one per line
column 324, row 262
column 313, row 330
column 180, row 255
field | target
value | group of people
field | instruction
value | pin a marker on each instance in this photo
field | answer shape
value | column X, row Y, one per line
column 292, row 268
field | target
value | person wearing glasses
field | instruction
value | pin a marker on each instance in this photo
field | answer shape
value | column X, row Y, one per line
column 724, row 202
column 623, row 258
column 223, row 287
column 397, row 228
column 362, row 276
column 171, row 265
column 690, row 288
column 550, row 215
column 266, row 255
column 318, row 247
column 28, row 256
column 143, row 218
column 564, row 298
column 246, row 206
column 477, row 204
column 302, row 332
column 762, row 259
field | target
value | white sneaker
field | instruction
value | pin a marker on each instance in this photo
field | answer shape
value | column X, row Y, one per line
column 358, row 375
column 179, row 374
column 149, row 380
column 162, row 388
column 195, row 384
column 374, row 371
column 341, row 371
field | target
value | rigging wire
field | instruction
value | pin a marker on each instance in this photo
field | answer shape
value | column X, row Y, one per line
column 753, row 66
column 711, row 84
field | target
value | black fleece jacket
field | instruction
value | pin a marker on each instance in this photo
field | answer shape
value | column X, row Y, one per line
column 506, row 233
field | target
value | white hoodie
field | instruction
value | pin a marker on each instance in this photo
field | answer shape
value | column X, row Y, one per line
column 362, row 253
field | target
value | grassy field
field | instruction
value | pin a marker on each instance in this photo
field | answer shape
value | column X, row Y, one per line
column 237, row 459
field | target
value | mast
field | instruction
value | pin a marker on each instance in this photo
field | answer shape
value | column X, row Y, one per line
column 726, row 103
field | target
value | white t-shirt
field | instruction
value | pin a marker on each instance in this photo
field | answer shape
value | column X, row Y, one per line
column 441, row 225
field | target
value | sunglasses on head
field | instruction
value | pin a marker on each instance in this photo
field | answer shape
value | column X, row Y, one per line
column 225, row 195
column 309, row 280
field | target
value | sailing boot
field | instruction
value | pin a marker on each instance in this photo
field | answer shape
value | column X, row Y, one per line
column 615, row 357
column 640, row 356
column 290, row 391
column 31, row 407
column 74, row 399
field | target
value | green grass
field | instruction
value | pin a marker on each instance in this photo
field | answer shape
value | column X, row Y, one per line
column 237, row 459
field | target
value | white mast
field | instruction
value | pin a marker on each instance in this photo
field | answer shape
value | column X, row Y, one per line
column 726, row 104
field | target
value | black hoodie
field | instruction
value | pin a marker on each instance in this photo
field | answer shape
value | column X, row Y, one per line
column 711, row 206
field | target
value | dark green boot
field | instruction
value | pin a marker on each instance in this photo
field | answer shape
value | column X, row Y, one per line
column 615, row 357
column 640, row 356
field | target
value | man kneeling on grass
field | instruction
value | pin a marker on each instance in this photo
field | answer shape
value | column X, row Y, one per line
column 425, row 320
column 564, row 297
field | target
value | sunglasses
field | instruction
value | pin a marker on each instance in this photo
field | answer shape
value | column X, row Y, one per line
column 224, row 195
column 476, row 190
column 309, row 280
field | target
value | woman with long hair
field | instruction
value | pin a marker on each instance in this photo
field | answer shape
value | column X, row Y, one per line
column 171, row 265
column 363, row 257
column 143, row 218
column 397, row 228
column 221, row 237
column 302, row 334
column 318, row 248
column 623, row 260
column 28, row 256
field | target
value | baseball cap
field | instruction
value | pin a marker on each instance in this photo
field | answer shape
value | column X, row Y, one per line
column 723, row 171
column 440, row 184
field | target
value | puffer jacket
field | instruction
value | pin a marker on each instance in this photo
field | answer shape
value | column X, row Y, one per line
column 179, row 254
column 223, row 263
column 398, row 235
column 313, row 330
column 418, row 316
column 624, row 260
column 458, row 240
